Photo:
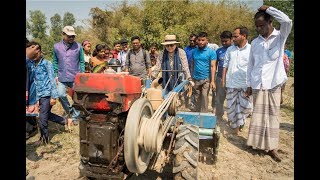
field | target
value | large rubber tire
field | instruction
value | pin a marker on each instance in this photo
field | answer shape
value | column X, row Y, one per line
column 186, row 152
column 136, row 158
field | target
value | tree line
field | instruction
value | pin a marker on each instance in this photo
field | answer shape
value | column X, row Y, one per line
column 152, row 20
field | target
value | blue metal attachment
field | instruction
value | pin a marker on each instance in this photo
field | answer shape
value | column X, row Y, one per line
column 203, row 120
column 176, row 89
column 148, row 83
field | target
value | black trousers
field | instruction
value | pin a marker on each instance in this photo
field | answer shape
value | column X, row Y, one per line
column 45, row 115
column 31, row 123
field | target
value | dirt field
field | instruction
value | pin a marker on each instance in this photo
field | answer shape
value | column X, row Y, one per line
column 60, row 159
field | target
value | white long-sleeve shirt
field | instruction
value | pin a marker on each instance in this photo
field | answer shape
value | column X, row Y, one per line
column 266, row 69
column 122, row 57
column 236, row 61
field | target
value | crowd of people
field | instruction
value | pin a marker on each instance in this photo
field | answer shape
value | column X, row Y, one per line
column 248, row 76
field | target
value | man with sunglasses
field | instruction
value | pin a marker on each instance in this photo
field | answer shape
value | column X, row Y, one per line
column 172, row 58
column 68, row 60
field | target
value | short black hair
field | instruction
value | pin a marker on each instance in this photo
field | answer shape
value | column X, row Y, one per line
column 98, row 48
column 203, row 34
column 117, row 42
column 193, row 35
column 153, row 45
column 267, row 17
column 34, row 43
column 135, row 37
column 123, row 41
column 27, row 41
column 226, row 34
column 243, row 30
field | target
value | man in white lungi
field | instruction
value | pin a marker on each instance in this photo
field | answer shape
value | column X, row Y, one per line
column 234, row 78
column 266, row 74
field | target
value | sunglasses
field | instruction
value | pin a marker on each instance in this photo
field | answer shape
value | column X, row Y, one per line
column 170, row 45
column 71, row 36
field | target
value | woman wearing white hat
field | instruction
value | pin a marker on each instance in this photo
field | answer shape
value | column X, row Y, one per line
column 172, row 58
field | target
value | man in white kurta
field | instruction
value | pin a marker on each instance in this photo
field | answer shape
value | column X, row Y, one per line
column 265, row 76
column 234, row 74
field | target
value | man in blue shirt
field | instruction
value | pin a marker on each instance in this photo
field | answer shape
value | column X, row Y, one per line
column 46, row 94
column 288, row 52
column 31, row 103
column 204, row 68
column 188, row 49
column 219, row 96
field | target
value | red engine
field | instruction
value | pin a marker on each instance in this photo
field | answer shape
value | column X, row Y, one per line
column 104, row 101
column 106, row 92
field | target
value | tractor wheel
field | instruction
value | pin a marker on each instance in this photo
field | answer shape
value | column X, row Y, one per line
column 186, row 152
column 136, row 158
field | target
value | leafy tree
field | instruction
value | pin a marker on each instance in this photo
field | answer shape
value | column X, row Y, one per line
column 36, row 27
column 68, row 19
column 99, row 22
column 36, row 24
column 56, row 27
column 78, row 29
column 28, row 28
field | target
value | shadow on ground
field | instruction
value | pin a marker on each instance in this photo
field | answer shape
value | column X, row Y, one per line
column 287, row 107
column 237, row 140
column 51, row 148
column 287, row 126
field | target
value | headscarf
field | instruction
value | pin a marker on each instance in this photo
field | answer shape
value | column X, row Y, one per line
column 84, row 43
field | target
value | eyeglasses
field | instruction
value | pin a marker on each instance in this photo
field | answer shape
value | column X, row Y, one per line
column 170, row 45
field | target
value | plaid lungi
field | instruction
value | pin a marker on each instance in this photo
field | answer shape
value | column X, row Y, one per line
column 238, row 106
column 264, row 125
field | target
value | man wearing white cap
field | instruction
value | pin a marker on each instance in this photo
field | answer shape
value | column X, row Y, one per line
column 68, row 60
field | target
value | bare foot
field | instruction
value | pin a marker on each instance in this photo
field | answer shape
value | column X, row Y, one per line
column 68, row 124
column 274, row 155
column 213, row 110
column 236, row 131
